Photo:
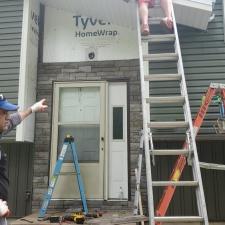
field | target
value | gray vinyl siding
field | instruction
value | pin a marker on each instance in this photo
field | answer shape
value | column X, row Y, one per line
column 203, row 55
column 11, row 15
column 204, row 62
column 184, row 201
column 20, row 170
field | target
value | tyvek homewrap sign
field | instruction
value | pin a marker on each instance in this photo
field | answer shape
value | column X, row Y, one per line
column 84, row 23
column 74, row 38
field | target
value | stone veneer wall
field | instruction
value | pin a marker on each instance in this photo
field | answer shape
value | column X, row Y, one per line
column 107, row 70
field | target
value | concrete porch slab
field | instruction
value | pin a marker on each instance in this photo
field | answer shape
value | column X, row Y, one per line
column 106, row 216
column 120, row 217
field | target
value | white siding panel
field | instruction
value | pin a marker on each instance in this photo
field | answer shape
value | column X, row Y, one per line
column 193, row 13
column 192, row 17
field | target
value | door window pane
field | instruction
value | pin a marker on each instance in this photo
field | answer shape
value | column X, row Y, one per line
column 79, row 116
column 79, row 104
column 86, row 139
column 117, row 123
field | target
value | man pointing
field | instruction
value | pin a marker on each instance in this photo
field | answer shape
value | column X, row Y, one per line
column 7, row 123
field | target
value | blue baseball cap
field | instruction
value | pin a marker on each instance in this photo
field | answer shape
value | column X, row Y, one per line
column 5, row 105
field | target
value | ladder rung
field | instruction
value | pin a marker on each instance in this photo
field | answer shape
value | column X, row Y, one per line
column 169, row 99
column 212, row 166
column 156, row 5
column 178, row 219
column 174, row 183
column 169, row 152
column 66, row 173
column 154, row 20
column 172, row 124
column 161, row 57
column 163, row 77
column 159, row 38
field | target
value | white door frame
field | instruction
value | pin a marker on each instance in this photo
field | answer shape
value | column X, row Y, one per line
column 117, row 162
column 57, row 85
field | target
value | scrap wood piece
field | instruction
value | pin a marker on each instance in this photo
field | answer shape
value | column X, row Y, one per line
column 27, row 220
column 118, row 220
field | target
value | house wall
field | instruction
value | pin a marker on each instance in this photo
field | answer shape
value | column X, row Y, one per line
column 19, row 154
column 209, row 151
column 107, row 70
column 20, row 170
column 184, row 202
column 203, row 54
column 97, row 40
column 11, row 15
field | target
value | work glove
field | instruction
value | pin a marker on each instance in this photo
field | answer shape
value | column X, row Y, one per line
column 4, row 210
column 39, row 106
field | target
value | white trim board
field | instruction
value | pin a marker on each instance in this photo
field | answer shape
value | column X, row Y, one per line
column 28, row 67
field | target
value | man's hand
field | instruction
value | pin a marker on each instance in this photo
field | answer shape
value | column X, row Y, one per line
column 39, row 106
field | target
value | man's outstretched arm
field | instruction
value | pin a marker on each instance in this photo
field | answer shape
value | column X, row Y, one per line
column 16, row 118
column 37, row 107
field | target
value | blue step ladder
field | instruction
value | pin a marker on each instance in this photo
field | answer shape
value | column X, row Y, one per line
column 68, row 141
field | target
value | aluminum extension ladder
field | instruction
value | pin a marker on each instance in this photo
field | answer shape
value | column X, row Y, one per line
column 68, row 142
column 149, row 127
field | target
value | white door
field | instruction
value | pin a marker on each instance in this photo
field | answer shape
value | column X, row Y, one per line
column 79, row 110
column 117, row 162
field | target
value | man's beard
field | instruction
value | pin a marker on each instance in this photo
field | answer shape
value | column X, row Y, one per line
column 6, row 125
column 2, row 129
